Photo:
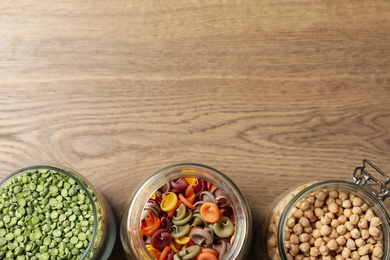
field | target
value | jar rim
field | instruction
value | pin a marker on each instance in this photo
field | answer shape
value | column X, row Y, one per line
column 323, row 184
column 70, row 173
column 160, row 177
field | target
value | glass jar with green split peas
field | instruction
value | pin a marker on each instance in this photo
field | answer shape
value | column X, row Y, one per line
column 49, row 212
column 186, row 211
column 329, row 220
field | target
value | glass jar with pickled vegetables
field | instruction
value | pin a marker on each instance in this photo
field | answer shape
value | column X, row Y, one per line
column 329, row 220
column 49, row 212
column 187, row 211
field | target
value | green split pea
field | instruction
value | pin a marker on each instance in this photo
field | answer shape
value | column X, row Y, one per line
column 45, row 215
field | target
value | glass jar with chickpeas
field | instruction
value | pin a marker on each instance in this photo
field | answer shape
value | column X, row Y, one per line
column 329, row 220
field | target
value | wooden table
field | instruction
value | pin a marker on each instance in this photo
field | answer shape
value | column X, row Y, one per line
column 272, row 93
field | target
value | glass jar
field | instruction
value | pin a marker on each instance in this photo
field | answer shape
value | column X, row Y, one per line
column 33, row 180
column 284, row 219
column 131, row 235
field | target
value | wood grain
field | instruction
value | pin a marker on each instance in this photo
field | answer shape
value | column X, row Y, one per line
column 272, row 93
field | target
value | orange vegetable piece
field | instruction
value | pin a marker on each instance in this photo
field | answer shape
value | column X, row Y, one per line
column 151, row 224
column 210, row 212
column 209, row 250
column 165, row 253
column 206, row 256
column 186, row 202
column 211, row 186
column 189, row 192
column 155, row 254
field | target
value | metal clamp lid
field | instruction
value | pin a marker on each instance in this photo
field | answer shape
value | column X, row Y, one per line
column 366, row 179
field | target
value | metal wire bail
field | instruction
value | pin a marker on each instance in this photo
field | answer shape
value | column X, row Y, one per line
column 366, row 179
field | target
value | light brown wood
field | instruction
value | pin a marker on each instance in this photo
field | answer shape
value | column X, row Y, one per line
column 272, row 93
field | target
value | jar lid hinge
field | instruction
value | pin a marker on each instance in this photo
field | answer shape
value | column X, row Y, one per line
column 362, row 177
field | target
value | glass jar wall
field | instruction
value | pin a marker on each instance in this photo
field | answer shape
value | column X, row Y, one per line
column 133, row 236
column 49, row 211
column 325, row 220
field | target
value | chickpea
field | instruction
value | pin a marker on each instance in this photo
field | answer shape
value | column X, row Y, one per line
column 375, row 221
column 325, row 230
column 318, row 225
column 290, row 222
column 347, row 235
column 333, row 194
column 374, row 231
column 346, row 253
column 355, row 255
column 294, row 250
column 347, row 212
column 342, row 218
column 360, row 242
column 333, row 234
column 355, row 233
column 314, row 251
column 362, row 250
column 294, row 239
column 324, row 250
column 304, row 205
column 343, row 195
column 316, row 233
column 272, row 241
column 362, row 223
column 321, row 195
column 304, row 247
column 347, row 204
column 357, row 210
column 365, row 234
column 304, row 222
column 354, row 219
column 341, row 240
column 349, row 226
column 326, row 239
column 325, row 220
column 335, row 223
column 287, row 235
column 332, row 244
column 298, row 213
column 318, row 203
column 310, row 199
column 311, row 240
column 333, row 207
column 377, row 251
column 370, row 248
column 364, row 207
column 357, row 202
column 341, row 229
column 319, row 212
column 369, row 215
column 308, row 230
column 304, row 237
column 308, row 213
column 319, row 242
column 329, row 200
column 351, row 244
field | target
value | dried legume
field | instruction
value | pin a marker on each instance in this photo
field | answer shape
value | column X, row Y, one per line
column 45, row 214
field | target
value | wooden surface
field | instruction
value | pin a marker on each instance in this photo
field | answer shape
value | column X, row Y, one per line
column 272, row 93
